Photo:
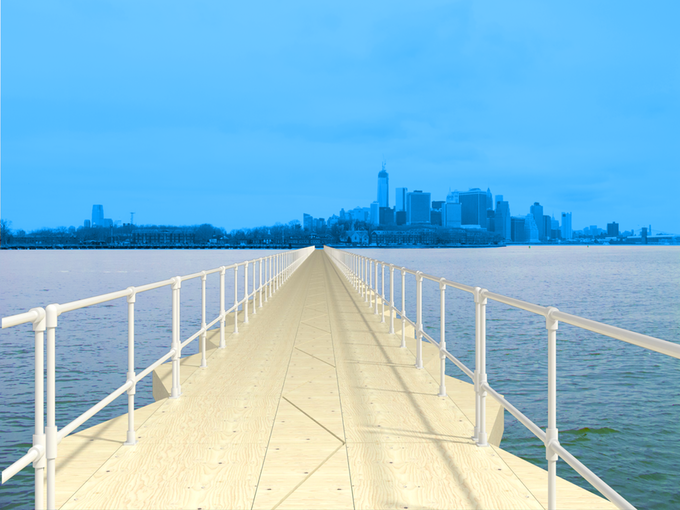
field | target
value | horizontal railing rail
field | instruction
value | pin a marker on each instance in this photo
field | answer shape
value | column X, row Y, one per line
column 268, row 275
column 362, row 273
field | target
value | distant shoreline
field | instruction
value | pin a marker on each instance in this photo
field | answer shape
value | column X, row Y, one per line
column 291, row 247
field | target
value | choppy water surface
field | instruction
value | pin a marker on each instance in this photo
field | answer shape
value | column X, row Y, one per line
column 618, row 405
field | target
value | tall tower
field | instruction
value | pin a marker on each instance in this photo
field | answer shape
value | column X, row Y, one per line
column 97, row 215
column 383, row 187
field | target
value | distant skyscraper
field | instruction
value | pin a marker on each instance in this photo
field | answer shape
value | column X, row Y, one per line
column 307, row 222
column 451, row 215
column 383, row 188
column 530, row 229
column 375, row 213
column 566, row 226
column 517, row 229
column 537, row 213
column 87, row 223
column 613, row 229
column 502, row 223
column 418, row 207
column 489, row 199
column 473, row 207
column 97, row 215
column 401, row 199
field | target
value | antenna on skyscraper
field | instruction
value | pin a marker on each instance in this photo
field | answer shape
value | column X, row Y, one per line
column 384, row 163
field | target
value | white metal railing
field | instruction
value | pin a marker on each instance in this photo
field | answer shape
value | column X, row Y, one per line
column 362, row 273
column 273, row 271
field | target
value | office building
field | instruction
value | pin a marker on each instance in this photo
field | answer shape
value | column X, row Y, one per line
column 387, row 216
column 547, row 227
column 531, row 233
column 451, row 217
column 417, row 207
column 490, row 220
column 502, row 219
column 375, row 213
column 537, row 212
column 438, row 205
column 400, row 218
column 489, row 199
column 87, row 224
column 566, row 226
column 473, row 207
column 517, row 229
column 401, row 199
column 436, row 217
column 307, row 222
column 97, row 215
column 613, row 229
column 383, row 188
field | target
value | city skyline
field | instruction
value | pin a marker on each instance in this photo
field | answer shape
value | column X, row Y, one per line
column 255, row 113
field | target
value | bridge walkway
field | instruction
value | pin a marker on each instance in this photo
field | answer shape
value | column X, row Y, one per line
column 312, row 405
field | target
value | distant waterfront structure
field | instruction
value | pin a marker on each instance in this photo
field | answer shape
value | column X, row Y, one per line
column 375, row 213
column 383, row 188
column 502, row 222
column 307, row 222
column 536, row 211
column 451, row 211
column 97, row 215
column 613, row 229
column 567, row 232
column 418, row 207
column 517, row 229
column 473, row 207
column 531, row 233
column 400, row 199
column 87, row 224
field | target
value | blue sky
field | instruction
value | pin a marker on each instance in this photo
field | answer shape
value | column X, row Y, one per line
column 242, row 114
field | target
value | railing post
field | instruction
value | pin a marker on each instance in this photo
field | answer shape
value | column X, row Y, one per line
column 480, row 366
column 419, row 320
column 131, row 299
column 261, row 285
column 375, row 287
column 382, row 267
column 403, row 308
column 552, row 432
column 267, row 272
column 39, row 327
column 236, row 298
column 392, row 299
column 245, row 295
column 442, row 338
column 223, row 342
column 204, row 361
column 254, row 288
column 51, row 314
column 370, row 283
column 364, row 278
column 176, row 390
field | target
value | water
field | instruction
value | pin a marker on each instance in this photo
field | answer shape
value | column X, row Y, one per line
column 91, row 343
column 618, row 405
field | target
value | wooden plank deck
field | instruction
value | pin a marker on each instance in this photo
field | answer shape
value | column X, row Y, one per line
column 312, row 405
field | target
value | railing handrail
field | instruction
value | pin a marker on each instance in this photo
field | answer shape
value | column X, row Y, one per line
column 356, row 274
column 277, row 268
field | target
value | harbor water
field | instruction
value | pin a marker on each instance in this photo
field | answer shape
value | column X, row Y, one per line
column 618, row 405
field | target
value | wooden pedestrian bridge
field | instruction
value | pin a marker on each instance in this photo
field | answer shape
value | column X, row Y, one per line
column 307, row 401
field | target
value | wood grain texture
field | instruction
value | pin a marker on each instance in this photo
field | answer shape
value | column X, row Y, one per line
column 311, row 405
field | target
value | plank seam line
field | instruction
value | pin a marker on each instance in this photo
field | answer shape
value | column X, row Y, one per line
column 315, row 327
column 308, row 416
column 306, row 478
column 271, row 432
column 311, row 355
column 321, row 314
column 332, row 316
